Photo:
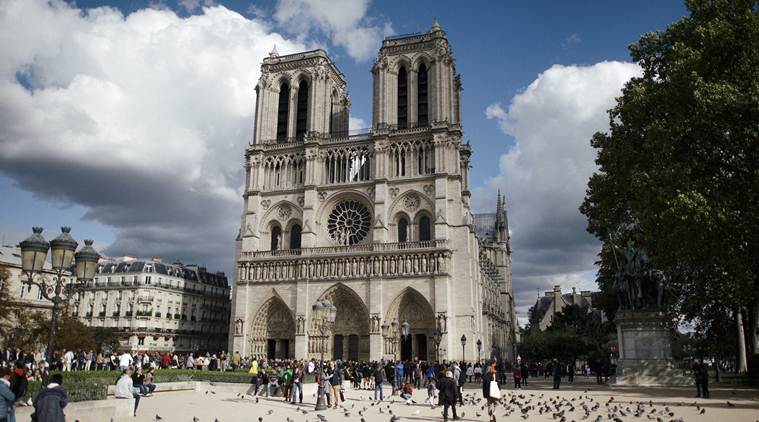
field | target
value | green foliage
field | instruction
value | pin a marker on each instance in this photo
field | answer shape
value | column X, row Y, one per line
column 682, row 159
column 574, row 334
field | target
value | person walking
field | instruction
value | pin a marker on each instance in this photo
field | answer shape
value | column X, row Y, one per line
column 298, row 383
column 6, row 395
column 557, row 373
column 19, row 385
column 703, row 379
column 517, row 374
column 491, row 390
column 336, row 382
column 448, row 395
column 50, row 401
column 525, row 373
column 287, row 380
column 379, row 378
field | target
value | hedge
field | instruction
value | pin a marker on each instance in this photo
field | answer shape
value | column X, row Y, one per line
column 93, row 385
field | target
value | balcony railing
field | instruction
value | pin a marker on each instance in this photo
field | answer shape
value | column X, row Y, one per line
column 348, row 250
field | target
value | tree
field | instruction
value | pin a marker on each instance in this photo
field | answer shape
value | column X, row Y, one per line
column 681, row 159
column 575, row 333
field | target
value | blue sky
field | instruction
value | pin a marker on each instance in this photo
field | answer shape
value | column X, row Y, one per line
column 506, row 51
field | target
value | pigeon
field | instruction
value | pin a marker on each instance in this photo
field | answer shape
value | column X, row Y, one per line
column 321, row 418
column 730, row 404
column 195, row 419
column 157, row 417
column 269, row 412
column 702, row 411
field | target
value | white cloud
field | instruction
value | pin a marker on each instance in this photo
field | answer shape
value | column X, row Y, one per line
column 545, row 173
column 141, row 118
column 343, row 21
column 356, row 123
column 571, row 41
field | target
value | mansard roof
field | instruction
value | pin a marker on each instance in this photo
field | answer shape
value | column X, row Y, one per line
column 188, row 272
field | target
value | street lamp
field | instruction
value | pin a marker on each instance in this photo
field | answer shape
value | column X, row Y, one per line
column 324, row 315
column 393, row 334
column 479, row 347
column 436, row 337
column 33, row 255
column 463, row 351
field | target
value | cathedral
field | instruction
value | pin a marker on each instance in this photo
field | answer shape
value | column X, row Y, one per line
column 376, row 221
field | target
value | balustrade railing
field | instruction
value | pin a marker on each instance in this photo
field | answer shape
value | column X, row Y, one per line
column 347, row 250
column 397, row 263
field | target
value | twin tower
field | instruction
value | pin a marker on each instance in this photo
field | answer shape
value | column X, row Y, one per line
column 305, row 94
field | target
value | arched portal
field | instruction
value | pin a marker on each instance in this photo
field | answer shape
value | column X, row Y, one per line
column 411, row 306
column 272, row 332
column 349, row 337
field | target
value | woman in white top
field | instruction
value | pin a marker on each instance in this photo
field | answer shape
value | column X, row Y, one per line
column 125, row 389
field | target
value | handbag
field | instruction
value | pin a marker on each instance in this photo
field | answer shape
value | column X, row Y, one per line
column 495, row 392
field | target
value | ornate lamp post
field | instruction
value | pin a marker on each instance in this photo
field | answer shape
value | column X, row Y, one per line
column 463, row 350
column 479, row 348
column 324, row 314
column 393, row 334
column 33, row 255
column 436, row 337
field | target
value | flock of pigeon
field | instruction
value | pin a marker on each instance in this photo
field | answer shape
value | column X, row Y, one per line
column 512, row 406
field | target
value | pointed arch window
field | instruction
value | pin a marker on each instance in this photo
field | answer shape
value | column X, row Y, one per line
column 402, row 98
column 295, row 233
column 403, row 230
column 425, row 229
column 282, row 111
column 302, row 110
column 421, row 96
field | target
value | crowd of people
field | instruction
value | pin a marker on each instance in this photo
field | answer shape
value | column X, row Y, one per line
column 282, row 377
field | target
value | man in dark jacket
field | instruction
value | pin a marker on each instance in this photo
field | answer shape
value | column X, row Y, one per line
column 448, row 394
column 557, row 374
column 379, row 377
column 50, row 401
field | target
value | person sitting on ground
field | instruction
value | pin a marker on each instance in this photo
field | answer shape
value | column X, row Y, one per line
column 50, row 401
column 125, row 389
column 406, row 393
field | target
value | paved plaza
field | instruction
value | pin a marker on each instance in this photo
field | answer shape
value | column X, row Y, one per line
column 532, row 403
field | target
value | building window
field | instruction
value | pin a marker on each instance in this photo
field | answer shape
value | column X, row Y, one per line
column 147, row 279
column 425, row 229
column 403, row 230
column 421, row 96
column 402, row 98
column 276, row 238
column 295, row 232
column 39, row 293
column 282, row 112
column 141, row 341
column 301, row 116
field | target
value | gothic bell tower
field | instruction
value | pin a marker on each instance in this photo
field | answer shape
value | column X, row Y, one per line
column 415, row 81
column 297, row 95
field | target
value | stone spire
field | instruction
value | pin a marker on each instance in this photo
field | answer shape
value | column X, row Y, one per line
column 435, row 26
column 274, row 52
column 502, row 219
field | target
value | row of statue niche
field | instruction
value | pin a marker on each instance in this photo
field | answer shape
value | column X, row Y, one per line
column 362, row 266
column 639, row 285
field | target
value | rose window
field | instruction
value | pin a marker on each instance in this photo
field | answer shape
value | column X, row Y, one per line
column 348, row 223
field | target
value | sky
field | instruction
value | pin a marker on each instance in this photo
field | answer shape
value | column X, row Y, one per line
column 127, row 120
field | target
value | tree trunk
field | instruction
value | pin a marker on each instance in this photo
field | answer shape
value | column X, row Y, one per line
column 740, row 365
column 753, row 326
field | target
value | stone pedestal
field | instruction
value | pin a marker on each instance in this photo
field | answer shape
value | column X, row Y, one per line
column 645, row 355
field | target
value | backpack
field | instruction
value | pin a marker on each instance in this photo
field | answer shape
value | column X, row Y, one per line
column 19, row 386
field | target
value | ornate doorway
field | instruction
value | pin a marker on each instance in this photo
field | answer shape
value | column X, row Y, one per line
column 350, row 332
column 272, row 332
column 411, row 306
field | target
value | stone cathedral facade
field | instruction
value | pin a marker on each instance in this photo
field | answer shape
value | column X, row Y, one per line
column 377, row 221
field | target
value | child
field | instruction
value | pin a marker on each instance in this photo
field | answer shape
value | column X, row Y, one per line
column 430, row 392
